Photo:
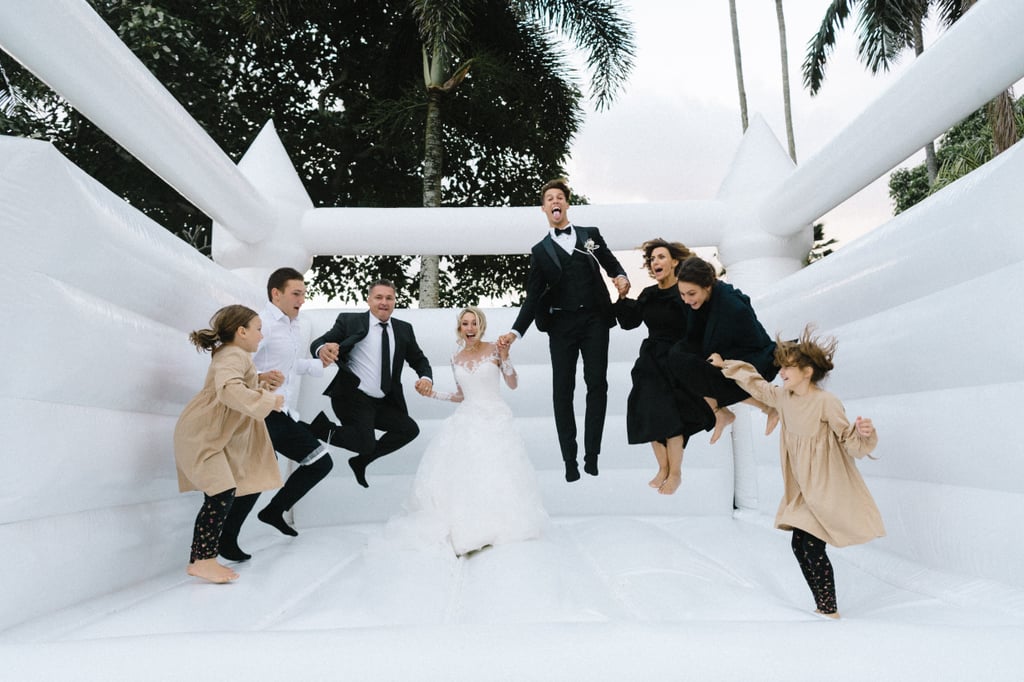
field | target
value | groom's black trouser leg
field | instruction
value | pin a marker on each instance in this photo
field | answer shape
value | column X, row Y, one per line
column 570, row 335
column 563, row 343
column 594, row 347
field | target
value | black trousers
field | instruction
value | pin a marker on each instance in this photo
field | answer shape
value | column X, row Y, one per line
column 360, row 416
column 294, row 441
column 817, row 569
column 572, row 334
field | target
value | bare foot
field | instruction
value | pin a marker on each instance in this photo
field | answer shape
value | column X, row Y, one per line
column 834, row 616
column 671, row 484
column 773, row 421
column 212, row 570
column 723, row 417
column 658, row 479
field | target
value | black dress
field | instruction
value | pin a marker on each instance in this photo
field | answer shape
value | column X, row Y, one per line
column 652, row 413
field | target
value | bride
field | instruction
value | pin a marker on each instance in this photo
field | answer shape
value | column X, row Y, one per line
column 475, row 485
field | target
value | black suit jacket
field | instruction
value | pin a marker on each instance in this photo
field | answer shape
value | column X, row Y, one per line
column 546, row 277
column 351, row 328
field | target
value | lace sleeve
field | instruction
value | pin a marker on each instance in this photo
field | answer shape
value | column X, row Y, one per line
column 451, row 397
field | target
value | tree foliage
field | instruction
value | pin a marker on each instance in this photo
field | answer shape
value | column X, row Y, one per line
column 964, row 147
column 342, row 80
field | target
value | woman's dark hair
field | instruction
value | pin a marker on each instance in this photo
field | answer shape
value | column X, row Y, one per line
column 223, row 325
column 697, row 271
column 677, row 250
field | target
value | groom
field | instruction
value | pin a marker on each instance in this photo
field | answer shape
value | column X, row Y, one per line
column 566, row 297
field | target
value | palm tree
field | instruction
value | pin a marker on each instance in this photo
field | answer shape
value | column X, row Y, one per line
column 885, row 30
column 739, row 62
column 787, row 104
column 445, row 28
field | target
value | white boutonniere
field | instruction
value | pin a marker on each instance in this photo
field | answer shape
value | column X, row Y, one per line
column 590, row 246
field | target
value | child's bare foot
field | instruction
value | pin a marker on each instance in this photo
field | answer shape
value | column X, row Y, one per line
column 658, row 479
column 773, row 421
column 671, row 484
column 212, row 570
column 834, row 615
column 723, row 417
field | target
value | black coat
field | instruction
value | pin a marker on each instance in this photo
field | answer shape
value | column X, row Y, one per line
column 733, row 330
column 351, row 328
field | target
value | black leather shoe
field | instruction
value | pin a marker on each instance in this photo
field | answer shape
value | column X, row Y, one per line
column 232, row 552
column 272, row 517
column 572, row 472
column 359, row 469
column 590, row 464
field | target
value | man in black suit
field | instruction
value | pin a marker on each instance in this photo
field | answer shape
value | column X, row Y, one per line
column 566, row 297
column 366, row 395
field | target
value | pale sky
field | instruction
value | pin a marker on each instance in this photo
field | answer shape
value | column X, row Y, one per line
column 672, row 133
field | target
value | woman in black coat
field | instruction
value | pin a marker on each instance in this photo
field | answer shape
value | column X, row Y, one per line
column 652, row 415
column 720, row 320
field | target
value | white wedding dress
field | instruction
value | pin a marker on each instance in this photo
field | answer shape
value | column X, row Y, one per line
column 475, row 485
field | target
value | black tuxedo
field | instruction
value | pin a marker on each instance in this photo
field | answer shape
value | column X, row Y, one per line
column 566, row 296
column 358, row 413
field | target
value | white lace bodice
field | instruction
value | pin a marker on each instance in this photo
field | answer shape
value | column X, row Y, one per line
column 478, row 378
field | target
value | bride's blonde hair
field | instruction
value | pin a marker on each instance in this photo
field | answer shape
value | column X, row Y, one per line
column 481, row 321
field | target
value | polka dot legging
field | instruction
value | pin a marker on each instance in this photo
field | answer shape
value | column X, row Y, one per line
column 817, row 569
column 209, row 523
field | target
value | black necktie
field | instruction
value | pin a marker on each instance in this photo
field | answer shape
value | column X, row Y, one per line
column 385, row 358
column 564, row 230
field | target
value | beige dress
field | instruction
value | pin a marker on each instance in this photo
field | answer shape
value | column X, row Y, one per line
column 824, row 493
column 221, row 440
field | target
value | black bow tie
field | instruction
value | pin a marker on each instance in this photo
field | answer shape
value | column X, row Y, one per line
column 565, row 230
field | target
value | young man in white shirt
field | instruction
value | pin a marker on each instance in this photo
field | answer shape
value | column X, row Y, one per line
column 280, row 359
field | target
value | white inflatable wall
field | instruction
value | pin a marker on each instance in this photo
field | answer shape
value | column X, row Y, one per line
column 926, row 308
column 98, row 368
column 928, row 313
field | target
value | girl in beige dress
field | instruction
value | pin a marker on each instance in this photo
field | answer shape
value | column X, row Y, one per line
column 825, row 500
column 221, row 445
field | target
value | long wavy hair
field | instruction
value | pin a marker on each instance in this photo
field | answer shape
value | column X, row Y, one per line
column 809, row 350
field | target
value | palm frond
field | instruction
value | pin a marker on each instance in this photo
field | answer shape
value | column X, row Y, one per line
column 599, row 29
column 821, row 44
column 443, row 24
column 885, row 29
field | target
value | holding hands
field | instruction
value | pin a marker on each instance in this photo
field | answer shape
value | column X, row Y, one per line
column 272, row 379
column 622, row 286
column 328, row 353
column 424, row 386
column 505, row 341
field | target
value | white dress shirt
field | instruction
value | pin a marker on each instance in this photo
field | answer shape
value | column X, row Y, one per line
column 364, row 360
column 283, row 348
column 566, row 241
